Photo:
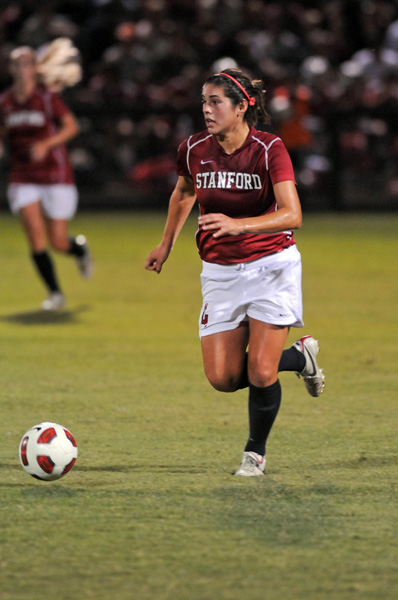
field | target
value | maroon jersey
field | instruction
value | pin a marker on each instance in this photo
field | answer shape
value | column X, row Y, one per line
column 27, row 123
column 238, row 185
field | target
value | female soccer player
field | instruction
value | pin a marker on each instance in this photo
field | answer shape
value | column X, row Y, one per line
column 243, row 181
column 37, row 124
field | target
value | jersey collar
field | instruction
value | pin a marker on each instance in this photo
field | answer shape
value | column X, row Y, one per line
column 247, row 141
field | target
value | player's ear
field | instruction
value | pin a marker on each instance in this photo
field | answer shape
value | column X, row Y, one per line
column 243, row 106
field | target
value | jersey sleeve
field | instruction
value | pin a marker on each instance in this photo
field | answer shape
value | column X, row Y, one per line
column 182, row 166
column 280, row 166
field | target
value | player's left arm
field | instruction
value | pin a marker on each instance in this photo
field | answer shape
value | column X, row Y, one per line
column 68, row 129
column 286, row 217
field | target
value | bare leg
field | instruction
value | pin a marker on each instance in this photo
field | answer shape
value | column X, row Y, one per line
column 57, row 232
column 224, row 357
column 265, row 350
column 265, row 394
column 224, row 362
column 34, row 227
column 35, row 230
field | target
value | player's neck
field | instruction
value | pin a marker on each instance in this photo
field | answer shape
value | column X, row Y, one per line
column 234, row 139
column 23, row 90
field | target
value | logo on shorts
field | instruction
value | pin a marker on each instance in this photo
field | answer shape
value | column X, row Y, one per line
column 204, row 319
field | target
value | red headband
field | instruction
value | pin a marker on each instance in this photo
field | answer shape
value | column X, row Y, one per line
column 252, row 101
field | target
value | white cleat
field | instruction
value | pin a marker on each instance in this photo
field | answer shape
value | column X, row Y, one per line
column 313, row 376
column 252, row 465
column 54, row 301
column 85, row 262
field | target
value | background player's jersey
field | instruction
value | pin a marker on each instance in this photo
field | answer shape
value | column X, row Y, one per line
column 30, row 122
column 238, row 185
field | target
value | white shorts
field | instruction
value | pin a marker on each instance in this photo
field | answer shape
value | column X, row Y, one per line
column 267, row 289
column 58, row 201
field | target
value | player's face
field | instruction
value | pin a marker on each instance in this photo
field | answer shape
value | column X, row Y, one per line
column 220, row 114
column 23, row 68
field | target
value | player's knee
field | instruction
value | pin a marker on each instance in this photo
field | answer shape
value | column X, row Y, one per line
column 222, row 382
column 262, row 375
column 58, row 244
column 223, row 386
column 37, row 247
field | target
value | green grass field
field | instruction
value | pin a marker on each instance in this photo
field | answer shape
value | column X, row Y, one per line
column 151, row 510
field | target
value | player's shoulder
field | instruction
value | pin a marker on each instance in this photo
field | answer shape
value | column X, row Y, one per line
column 264, row 137
column 195, row 140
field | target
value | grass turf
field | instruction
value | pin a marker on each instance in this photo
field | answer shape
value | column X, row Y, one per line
column 150, row 509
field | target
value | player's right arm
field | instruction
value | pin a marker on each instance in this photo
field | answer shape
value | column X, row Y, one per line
column 69, row 128
column 181, row 202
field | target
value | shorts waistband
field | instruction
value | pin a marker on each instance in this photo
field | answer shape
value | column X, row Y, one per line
column 273, row 259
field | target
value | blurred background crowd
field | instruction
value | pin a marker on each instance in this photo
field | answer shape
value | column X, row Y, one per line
column 330, row 70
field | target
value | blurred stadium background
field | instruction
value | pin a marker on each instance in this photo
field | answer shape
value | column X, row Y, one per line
column 330, row 69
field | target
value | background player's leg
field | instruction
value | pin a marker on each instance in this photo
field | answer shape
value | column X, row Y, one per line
column 57, row 233
column 61, row 241
column 33, row 224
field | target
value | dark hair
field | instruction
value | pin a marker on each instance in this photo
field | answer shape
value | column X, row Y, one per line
column 254, row 89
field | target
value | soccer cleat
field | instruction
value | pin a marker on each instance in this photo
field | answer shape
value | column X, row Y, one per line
column 313, row 376
column 252, row 465
column 54, row 301
column 85, row 262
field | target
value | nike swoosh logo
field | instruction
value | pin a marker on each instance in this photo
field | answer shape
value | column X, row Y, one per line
column 313, row 366
column 204, row 162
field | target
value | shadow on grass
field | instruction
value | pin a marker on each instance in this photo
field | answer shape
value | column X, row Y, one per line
column 42, row 317
column 143, row 468
column 188, row 469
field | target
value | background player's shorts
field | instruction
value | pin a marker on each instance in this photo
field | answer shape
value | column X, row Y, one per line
column 58, row 201
column 267, row 289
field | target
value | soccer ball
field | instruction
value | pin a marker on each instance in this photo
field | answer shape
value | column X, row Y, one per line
column 47, row 451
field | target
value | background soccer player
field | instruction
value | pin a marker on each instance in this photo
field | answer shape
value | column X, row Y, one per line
column 36, row 124
column 244, row 183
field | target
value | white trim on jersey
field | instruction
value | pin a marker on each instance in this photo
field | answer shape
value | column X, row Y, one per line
column 266, row 147
column 189, row 148
column 289, row 231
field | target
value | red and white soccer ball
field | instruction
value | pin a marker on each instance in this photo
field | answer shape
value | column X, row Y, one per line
column 48, row 451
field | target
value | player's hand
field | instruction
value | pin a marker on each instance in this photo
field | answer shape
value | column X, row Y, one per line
column 156, row 258
column 221, row 224
column 39, row 151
